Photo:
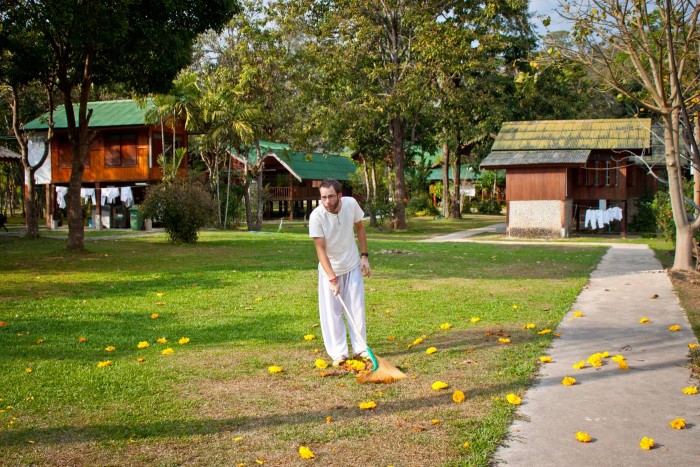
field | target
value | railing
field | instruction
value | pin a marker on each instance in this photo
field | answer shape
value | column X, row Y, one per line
column 285, row 193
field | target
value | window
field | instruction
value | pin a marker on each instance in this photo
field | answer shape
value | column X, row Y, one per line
column 120, row 150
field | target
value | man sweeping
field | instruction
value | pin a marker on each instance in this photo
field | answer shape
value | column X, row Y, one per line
column 333, row 226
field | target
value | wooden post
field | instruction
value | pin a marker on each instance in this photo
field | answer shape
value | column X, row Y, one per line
column 624, row 219
column 50, row 203
column 97, row 221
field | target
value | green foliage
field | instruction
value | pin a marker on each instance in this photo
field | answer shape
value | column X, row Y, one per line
column 489, row 206
column 183, row 206
column 421, row 205
column 644, row 220
column 661, row 206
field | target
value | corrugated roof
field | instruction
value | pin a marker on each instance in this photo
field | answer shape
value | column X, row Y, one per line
column 104, row 114
column 574, row 134
column 498, row 159
column 7, row 154
column 304, row 165
column 465, row 173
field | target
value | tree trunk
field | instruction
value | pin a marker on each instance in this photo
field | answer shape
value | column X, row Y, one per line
column 228, row 192
column 696, row 167
column 683, row 259
column 445, row 179
column 261, row 204
column 399, row 176
column 455, row 211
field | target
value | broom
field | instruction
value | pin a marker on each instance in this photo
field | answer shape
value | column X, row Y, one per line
column 382, row 371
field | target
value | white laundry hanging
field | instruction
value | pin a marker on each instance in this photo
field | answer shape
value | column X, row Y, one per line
column 88, row 194
column 591, row 219
column 60, row 196
column 127, row 196
column 108, row 194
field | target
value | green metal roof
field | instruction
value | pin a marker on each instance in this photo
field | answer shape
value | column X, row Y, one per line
column 465, row 173
column 304, row 165
column 574, row 134
column 104, row 114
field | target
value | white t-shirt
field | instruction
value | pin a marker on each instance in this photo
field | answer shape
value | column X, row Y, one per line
column 338, row 230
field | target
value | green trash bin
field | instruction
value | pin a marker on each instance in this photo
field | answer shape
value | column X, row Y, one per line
column 135, row 218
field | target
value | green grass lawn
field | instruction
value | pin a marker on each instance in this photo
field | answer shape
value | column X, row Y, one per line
column 246, row 301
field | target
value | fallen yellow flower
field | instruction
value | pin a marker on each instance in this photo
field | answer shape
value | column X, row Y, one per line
column 529, row 326
column 595, row 360
column 544, row 331
column 167, row 351
column 677, row 423
column 418, row 341
column 674, row 328
column 184, row 340
column 143, row 344
column 644, row 320
column 356, row 365
column 162, row 340
column 367, row 405
column 431, row 350
column 578, row 314
column 546, row 359
column 623, row 365
column 141, row 359
column 475, row 319
column 154, row 315
column 306, row 453
column 515, row 307
column 445, row 326
column 110, row 348
column 329, row 419
column 438, row 385
column 466, row 444
column 309, row 337
column 159, row 294
column 104, row 364
column 274, row 369
column 693, row 346
column 690, row 390
column 82, row 339
column 27, row 370
column 458, row 396
column 583, row 437
column 503, row 340
column 617, row 358
column 435, row 421
column 646, row 443
column 321, row 363
column 579, row 366
column 568, row 381
column 513, row 399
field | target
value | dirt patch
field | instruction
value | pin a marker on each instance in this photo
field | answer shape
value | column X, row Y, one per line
column 687, row 286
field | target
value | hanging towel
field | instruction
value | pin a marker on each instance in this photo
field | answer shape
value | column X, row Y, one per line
column 60, row 196
column 600, row 218
column 110, row 194
column 127, row 196
column 88, row 194
column 590, row 219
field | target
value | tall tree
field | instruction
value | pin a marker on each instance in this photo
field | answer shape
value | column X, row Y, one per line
column 141, row 44
column 24, row 54
column 647, row 50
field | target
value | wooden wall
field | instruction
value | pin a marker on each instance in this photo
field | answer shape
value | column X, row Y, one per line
column 536, row 183
column 102, row 166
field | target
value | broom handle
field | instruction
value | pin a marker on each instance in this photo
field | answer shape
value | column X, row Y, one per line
column 372, row 357
column 351, row 321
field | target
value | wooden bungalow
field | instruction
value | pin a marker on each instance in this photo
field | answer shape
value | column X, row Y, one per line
column 294, row 177
column 121, row 160
column 561, row 174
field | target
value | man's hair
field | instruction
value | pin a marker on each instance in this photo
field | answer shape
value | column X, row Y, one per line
column 332, row 183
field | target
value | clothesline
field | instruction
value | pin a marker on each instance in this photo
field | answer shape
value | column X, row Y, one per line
column 599, row 218
column 107, row 195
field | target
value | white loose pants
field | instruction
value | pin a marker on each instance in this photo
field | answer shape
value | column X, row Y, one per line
column 352, row 289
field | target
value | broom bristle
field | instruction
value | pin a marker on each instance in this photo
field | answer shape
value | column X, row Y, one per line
column 385, row 374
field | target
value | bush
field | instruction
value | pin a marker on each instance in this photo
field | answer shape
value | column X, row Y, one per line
column 489, row 206
column 183, row 206
column 644, row 220
column 421, row 205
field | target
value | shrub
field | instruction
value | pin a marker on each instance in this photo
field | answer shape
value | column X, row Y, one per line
column 644, row 220
column 489, row 206
column 421, row 205
column 183, row 206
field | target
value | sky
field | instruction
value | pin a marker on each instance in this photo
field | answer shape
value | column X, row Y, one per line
column 546, row 7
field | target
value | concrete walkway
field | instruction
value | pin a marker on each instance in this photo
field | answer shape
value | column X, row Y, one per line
column 617, row 408
column 457, row 236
